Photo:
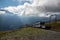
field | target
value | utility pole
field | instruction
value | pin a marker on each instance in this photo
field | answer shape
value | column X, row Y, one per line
column 54, row 17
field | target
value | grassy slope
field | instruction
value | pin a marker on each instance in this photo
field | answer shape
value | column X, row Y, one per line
column 54, row 25
column 22, row 33
column 27, row 33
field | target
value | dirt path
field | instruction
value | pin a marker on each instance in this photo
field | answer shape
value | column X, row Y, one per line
column 51, row 35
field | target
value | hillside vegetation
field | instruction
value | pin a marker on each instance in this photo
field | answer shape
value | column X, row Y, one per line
column 26, row 33
column 29, row 33
column 54, row 25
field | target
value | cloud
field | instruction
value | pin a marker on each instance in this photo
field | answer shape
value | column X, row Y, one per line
column 53, row 6
column 2, row 12
column 38, row 8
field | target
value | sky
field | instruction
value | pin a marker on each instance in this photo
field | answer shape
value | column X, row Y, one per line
column 40, row 8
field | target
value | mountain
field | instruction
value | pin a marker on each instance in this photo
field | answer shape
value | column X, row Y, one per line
column 10, row 21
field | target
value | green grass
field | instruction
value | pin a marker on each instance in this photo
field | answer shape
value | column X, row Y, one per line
column 23, row 32
column 27, row 33
column 54, row 25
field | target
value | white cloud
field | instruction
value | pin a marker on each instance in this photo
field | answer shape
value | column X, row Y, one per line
column 37, row 8
column 2, row 12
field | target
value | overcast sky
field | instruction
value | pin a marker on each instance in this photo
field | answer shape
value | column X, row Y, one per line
column 31, row 7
